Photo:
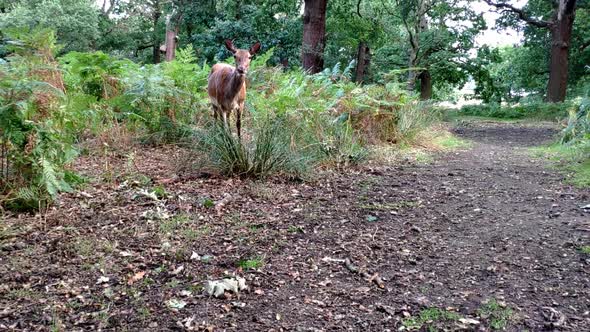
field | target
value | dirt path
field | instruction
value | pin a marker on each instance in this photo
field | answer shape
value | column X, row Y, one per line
column 478, row 239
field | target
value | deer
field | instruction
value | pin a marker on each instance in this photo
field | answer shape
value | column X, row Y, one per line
column 227, row 85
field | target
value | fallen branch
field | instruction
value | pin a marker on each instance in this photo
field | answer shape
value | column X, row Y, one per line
column 372, row 278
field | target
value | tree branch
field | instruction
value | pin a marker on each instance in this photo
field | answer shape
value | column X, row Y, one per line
column 520, row 13
column 358, row 8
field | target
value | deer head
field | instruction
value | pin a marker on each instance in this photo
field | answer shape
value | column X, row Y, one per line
column 243, row 57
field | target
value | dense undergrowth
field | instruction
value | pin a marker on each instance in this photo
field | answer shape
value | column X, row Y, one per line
column 294, row 122
column 572, row 150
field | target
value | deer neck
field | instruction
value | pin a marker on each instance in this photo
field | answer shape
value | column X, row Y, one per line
column 236, row 82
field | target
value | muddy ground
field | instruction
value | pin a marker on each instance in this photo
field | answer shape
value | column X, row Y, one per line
column 479, row 239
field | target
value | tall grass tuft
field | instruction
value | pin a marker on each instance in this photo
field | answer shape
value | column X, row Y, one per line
column 267, row 152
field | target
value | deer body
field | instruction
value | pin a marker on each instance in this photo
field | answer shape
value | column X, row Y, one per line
column 227, row 85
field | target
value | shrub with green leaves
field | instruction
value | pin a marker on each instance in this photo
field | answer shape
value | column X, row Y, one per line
column 36, row 132
column 96, row 74
column 578, row 125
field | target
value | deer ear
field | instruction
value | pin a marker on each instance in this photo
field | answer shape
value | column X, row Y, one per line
column 230, row 46
column 255, row 48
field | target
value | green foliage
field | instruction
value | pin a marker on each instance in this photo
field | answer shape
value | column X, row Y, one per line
column 429, row 319
column 498, row 316
column 74, row 21
column 578, row 125
column 36, row 132
column 251, row 264
column 413, row 119
column 207, row 202
column 573, row 159
column 96, row 74
column 164, row 99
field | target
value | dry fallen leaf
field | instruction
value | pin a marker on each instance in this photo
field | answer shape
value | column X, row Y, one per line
column 136, row 277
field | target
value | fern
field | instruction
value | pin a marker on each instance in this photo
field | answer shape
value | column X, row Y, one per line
column 186, row 55
column 49, row 178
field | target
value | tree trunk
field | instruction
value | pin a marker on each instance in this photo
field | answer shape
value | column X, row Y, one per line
column 363, row 60
column 411, row 65
column 171, row 33
column 156, row 36
column 422, row 25
column 425, row 85
column 314, row 35
column 561, row 35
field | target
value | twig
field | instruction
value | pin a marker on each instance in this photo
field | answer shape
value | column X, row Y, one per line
column 374, row 278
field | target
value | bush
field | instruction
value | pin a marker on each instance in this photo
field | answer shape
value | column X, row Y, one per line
column 96, row 74
column 578, row 126
column 36, row 133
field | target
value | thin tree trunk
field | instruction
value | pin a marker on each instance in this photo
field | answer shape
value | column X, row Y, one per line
column 363, row 60
column 156, row 37
column 422, row 25
column 561, row 35
column 412, row 64
column 425, row 85
column 314, row 35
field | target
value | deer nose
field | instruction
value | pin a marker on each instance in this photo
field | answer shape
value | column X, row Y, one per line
column 241, row 70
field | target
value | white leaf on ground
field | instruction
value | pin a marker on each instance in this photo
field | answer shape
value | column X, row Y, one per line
column 221, row 203
column 102, row 280
column 158, row 214
column 469, row 321
column 178, row 270
column 176, row 304
column 149, row 194
column 219, row 287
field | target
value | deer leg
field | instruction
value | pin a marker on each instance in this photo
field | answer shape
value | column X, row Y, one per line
column 239, row 120
column 225, row 124
column 215, row 112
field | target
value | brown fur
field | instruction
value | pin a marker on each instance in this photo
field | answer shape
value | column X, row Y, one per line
column 227, row 85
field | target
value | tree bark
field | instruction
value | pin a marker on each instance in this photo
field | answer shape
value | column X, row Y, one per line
column 561, row 35
column 156, row 37
column 411, row 65
column 314, row 35
column 363, row 61
column 414, row 31
column 171, row 33
column 425, row 85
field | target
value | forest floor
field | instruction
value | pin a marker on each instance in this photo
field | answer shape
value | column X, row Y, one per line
column 482, row 238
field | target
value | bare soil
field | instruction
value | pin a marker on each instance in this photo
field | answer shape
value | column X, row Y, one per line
column 479, row 239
